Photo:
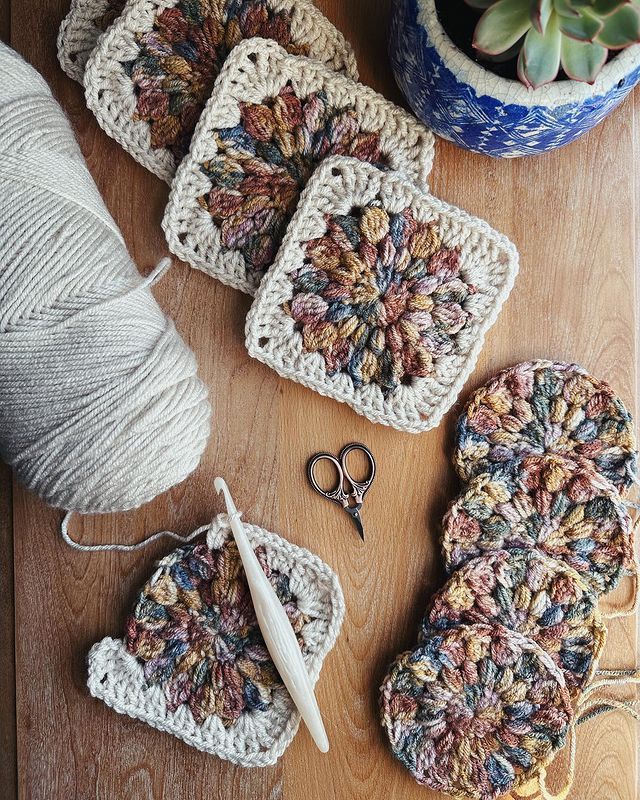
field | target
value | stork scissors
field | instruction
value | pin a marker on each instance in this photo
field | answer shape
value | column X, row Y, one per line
column 349, row 493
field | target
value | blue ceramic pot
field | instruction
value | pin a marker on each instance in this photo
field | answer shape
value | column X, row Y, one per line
column 465, row 103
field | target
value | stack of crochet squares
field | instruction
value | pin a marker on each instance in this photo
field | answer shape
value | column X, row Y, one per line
column 294, row 183
column 508, row 647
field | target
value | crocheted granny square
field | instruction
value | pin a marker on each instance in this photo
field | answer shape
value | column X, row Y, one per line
column 529, row 592
column 271, row 120
column 475, row 711
column 193, row 661
column 544, row 405
column 380, row 296
column 151, row 74
column 80, row 30
column 558, row 504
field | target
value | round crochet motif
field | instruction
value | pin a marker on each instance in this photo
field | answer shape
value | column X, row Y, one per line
column 541, row 405
column 379, row 296
column 181, row 57
column 262, row 165
column 475, row 711
column 529, row 592
column 194, row 628
column 558, row 504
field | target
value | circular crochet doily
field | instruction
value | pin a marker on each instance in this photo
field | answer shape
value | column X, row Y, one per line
column 475, row 711
column 529, row 592
column 558, row 504
column 541, row 406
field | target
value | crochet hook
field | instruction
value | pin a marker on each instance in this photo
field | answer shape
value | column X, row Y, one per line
column 276, row 629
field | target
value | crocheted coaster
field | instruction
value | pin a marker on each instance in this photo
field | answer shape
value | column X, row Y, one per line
column 193, row 661
column 529, row 592
column 148, row 79
column 558, row 504
column 380, row 296
column 544, row 405
column 475, row 711
column 272, row 119
column 80, row 31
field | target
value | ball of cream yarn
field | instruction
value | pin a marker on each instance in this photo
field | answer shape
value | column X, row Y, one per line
column 100, row 406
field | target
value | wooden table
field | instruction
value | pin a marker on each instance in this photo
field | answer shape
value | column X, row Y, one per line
column 572, row 215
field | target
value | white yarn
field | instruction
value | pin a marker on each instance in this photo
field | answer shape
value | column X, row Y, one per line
column 100, row 406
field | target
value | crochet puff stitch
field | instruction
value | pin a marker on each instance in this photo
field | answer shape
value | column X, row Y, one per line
column 380, row 295
column 151, row 74
column 193, row 661
column 272, row 119
column 475, row 711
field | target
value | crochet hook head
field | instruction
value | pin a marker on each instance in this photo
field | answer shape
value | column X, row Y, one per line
column 276, row 629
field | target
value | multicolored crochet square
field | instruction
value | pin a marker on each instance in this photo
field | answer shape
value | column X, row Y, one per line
column 151, row 74
column 193, row 661
column 80, row 30
column 476, row 711
column 272, row 119
column 526, row 591
column 557, row 504
column 380, row 296
column 537, row 406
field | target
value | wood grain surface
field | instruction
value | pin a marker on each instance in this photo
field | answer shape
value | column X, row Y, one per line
column 571, row 213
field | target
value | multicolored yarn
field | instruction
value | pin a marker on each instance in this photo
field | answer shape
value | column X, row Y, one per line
column 557, row 504
column 540, row 406
column 181, row 57
column 151, row 74
column 262, row 165
column 194, row 663
column 272, row 119
column 195, row 631
column 475, row 711
column 526, row 591
column 379, row 296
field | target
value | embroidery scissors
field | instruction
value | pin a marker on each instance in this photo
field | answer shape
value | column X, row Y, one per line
column 349, row 493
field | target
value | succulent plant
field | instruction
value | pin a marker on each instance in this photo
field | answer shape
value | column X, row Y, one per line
column 547, row 34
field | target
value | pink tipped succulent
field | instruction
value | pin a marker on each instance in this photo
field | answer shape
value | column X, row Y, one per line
column 548, row 34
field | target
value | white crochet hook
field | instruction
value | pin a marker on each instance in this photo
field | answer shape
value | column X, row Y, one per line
column 276, row 629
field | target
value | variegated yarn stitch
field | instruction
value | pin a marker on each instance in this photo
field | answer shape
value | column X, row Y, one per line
column 475, row 711
column 194, row 662
column 272, row 118
column 539, row 406
column 558, row 504
column 380, row 295
column 150, row 75
column 526, row 591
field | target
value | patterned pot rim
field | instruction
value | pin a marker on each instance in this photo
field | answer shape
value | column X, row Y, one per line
column 512, row 92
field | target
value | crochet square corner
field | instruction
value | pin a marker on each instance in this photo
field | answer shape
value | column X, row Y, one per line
column 272, row 118
column 380, row 296
column 257, row 736
column 80, row 30
column 152, row 72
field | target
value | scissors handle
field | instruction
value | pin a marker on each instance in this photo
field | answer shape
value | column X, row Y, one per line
column 360, row 488
column 338, row 495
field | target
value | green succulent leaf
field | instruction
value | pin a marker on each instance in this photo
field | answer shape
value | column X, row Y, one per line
column 585, row 27
column 620, row 29
column 602, row 8
column 540, row 13
column 539, row 59
column 582, row 61
column 501, row 25
column 565, row 9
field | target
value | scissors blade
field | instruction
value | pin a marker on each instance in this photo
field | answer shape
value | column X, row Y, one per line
column 358, row 523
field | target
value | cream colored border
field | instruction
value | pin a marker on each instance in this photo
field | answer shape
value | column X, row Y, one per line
column 256, row 69
column 78, row 35
column 109, row 91
column 488, row 261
